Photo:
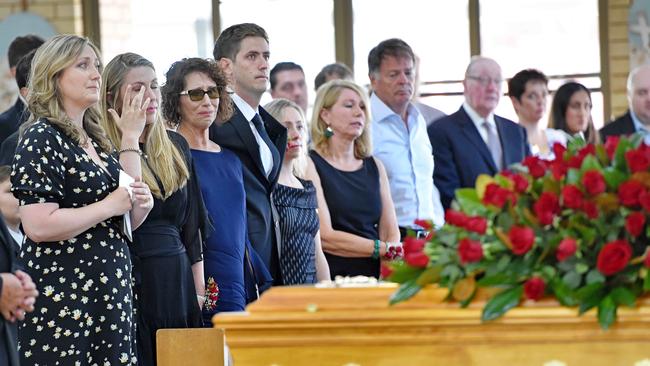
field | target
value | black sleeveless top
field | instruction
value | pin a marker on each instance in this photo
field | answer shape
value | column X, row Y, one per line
column 354, row 203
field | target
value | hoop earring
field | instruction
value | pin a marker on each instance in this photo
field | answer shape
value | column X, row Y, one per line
column 329, row 132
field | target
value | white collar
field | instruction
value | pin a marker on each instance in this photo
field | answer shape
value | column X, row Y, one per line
column 244, row 107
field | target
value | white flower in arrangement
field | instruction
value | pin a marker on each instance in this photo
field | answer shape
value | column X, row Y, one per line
column 644, row 362
column 555, row 363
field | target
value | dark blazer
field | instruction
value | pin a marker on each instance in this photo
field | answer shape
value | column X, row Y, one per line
column 236, row 135
column 8, row 263
column 8, row 149
column 12, row 118
column 623, row 125
column 460, row 154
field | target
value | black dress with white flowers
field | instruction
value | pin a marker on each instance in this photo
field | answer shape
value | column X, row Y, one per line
column 84, row 314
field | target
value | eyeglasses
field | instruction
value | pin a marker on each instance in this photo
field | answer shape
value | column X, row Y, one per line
column 197, row 94
column 485, row 81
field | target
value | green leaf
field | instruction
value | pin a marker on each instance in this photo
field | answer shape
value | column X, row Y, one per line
column 503, row 262
column 590, row 163
column 451, row 272
column 594, row 276
column 404, row 292
column 469, row 202
column 606, row 312
column 501, row 303
column 614, row 177
column 623, row 296
column 549, row 271
column 497, row 280
column 590, row 296
column 582, row 268
column 619, row 155
column 429, row 275
column 403, row 272
column 573, row 176
column 646, row 282
column 572, row 279
column 563, row 293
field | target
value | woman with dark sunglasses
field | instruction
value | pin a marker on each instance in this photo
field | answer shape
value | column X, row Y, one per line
column 166, row 249
column 194, row 97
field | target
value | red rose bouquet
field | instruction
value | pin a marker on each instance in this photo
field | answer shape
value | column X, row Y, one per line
column 573, row 228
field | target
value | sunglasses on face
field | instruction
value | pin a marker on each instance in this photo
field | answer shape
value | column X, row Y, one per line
column 197, row 94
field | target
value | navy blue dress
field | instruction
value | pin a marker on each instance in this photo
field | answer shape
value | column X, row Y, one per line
column 298, row 227
column 228, row 258
column 354, row 202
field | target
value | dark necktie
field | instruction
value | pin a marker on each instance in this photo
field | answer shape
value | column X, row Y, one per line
column 259, row 126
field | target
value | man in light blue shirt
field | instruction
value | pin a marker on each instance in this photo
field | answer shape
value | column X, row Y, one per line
column 399, row 134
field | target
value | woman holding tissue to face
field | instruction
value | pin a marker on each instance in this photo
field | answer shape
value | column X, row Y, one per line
column 66, row 178
column 166, row 251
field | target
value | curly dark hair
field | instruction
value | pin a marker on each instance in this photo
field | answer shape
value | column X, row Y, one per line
column 176, row 83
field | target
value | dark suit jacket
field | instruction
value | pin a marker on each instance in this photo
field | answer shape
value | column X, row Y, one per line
column 623, row 125
column 236, row 135
column 8, row 263
column 8, row 149
column 12, row 118
column 460, row 154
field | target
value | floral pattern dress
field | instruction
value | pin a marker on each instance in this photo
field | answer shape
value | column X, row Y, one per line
column 84, row 314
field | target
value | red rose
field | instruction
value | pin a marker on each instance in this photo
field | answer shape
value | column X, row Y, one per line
column 613, row 257
column 455, row 218
column 646, row 260
column 572, row 197
column 558, row 151
column 521, row 238
column 496, row 195
column 634, row 223
column 413, row 254
column 425, row 224
column 644, row 200
column 611, row 144
column 576, row 161
column 521, row 183
column 566, row 249
column 476, row 224
column 385, row 270
column 546, row 207
column 470, row 251
column 629, row 192
column 594, row 182
column 536, row 166
column 559, row 168
column 534, row 288
column 590, row 209
column 637, row 160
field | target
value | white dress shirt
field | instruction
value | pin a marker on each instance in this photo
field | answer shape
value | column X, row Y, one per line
column 406, row 154
column 478, row 122
column 249, row 113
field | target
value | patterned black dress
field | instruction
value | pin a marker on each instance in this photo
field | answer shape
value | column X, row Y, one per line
column 84, row 314
column 298, row 226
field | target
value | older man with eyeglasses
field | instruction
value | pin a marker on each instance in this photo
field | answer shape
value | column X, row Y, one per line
column 473, row 140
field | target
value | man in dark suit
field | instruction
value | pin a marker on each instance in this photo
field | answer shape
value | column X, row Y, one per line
column 259, row 140
column 637, row 118
column 17, row 296
column 473, row 140
column 13, row 117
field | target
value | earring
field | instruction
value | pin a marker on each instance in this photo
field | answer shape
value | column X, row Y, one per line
column 329, row 132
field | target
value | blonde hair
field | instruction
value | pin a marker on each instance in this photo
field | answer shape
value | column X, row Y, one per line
column 326, row 97
column 44, row 99
column 276, row 108
column 164, row 160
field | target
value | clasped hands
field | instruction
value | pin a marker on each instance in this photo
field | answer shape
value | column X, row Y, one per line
column 17, row 296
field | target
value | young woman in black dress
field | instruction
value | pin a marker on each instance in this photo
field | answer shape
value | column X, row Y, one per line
column 166, row 250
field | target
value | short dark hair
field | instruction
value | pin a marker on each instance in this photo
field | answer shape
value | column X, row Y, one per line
column 341, row 71
column 517, row 85
column 23, row 67
column 5, row 173
column 21, row 46
column 394, row 47
column 282, row 66
column 229, row 41
column 176, row 83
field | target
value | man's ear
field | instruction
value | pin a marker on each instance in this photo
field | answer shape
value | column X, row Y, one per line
column 23, row 91
column 225, row 64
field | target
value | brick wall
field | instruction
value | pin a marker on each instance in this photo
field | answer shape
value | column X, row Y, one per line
column 64, row 15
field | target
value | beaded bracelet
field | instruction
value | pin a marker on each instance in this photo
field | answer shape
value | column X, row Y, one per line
column 375, row 251
column 137, row 151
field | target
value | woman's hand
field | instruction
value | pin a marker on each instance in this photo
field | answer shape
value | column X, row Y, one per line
column 134, row 114
column 29, row 287
column 142, row 197
column 118, row 202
